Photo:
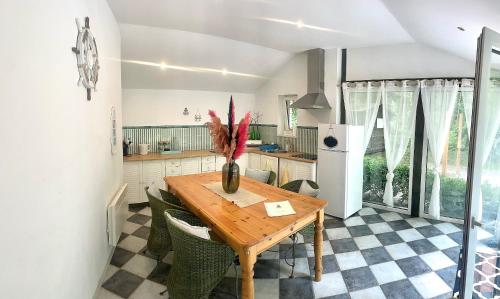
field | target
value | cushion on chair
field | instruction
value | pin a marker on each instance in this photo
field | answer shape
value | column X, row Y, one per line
column 258, row 175
column 307, row 189
column 198, row 231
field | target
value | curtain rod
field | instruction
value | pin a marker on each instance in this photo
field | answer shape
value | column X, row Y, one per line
column 411, row 79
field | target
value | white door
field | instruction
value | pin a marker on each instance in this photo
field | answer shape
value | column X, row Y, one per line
column 132, row 172
column 482, row 221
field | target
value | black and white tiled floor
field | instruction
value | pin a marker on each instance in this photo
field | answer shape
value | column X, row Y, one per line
column 373, row 254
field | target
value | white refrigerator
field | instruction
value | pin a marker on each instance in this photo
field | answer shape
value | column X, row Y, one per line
column 340, row 168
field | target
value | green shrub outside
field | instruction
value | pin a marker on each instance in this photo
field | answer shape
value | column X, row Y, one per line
column 453, row 190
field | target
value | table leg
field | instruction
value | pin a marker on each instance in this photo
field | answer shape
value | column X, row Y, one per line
column 247, row 260
column 318, row 245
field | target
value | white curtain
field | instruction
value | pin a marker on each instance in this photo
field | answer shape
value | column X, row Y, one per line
column 362, row 101
column 399, row 104
column 491, row 122
column 439, row 98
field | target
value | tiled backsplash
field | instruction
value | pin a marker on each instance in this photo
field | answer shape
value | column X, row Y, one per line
column 197, row 137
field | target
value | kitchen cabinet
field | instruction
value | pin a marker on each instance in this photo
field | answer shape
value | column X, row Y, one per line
column 190, row 165
column 208, row 164
column 270, row 163
column 153, row 173
column 132, row 176
column 296, row 170
column 173, row 167
column 254, row 161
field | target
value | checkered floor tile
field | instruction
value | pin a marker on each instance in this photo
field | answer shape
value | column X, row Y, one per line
column 373, row 254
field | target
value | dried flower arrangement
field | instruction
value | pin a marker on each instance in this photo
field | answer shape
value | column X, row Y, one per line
column 230, row 139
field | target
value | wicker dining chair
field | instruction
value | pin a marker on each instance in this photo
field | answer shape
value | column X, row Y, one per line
column 272, row 177
column 308, row 231
column 170, row 198
column 159, row 242
column 199, row 265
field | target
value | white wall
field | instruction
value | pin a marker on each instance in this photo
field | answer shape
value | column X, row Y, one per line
column 405, row 61
column 292, row 79
column 57, row 173
column 150, row 107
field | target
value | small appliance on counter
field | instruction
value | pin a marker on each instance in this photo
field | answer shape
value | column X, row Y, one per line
column 143, row 149
column 340, row 168
column 127, row 149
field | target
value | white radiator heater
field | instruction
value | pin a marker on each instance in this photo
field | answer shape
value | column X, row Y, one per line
column 117, row 215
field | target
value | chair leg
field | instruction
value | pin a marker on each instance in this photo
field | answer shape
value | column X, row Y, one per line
column 294, row 240
column 163, row 292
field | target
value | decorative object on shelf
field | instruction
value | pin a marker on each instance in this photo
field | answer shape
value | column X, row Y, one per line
column 197, row 116
column 113, row 138
column 186, row 111
column 254, row 132
column 86, row 57
column 230, row 141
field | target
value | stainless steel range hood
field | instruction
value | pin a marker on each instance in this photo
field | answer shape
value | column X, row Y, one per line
column 315, row 97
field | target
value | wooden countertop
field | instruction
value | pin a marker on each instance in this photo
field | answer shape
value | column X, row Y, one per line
column 158, row 156
column 288, row 155
column 204, row 153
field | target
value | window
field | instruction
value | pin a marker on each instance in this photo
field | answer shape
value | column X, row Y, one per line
column 375, row 170
column 288, row 114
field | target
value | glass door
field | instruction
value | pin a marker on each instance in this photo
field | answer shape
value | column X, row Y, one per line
column 482, row 221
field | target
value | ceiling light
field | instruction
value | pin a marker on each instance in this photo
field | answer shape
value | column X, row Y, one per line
column 300, row 24
column 164, row 66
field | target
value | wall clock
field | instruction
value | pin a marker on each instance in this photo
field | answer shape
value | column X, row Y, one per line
column 86, row 57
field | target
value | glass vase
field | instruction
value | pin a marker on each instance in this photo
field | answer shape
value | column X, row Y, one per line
column 230, row 177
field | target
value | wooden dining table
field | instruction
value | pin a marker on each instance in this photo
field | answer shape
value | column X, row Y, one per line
column 250, row 231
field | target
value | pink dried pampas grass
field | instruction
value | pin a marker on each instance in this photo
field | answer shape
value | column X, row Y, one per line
column 232, row 147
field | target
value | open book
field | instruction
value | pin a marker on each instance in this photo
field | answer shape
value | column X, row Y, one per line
column 279, row 208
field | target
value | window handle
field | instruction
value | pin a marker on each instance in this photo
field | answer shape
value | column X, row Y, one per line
column 476, row 223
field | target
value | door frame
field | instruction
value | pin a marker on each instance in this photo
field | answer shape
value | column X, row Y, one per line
column 485, row 44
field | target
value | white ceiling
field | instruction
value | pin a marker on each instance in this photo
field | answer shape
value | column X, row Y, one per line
column 435, row 22
column 188, row 49
column 240, row 36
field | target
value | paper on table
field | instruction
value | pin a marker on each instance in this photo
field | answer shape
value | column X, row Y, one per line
column 279, row 208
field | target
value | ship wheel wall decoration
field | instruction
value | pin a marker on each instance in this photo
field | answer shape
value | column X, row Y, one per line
column 86, row 57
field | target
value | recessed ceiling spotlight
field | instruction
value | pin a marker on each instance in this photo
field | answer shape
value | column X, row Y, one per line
column 224, row 72
column 460, row 28
column 300, row 24
column 163, row 65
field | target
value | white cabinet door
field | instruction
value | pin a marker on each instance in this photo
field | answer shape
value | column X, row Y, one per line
column 191, row 165
column 153, row 173
column 270, row 163
column 287, row 171
column 219, row 162
column 243, row 163
column 208, row 164
column 254, row 161
column 173, row 167
column 305, row 171
column 132, row 175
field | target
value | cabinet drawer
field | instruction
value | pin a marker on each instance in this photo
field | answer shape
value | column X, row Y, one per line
column 173, row 170
column 208, row 167
column 173, row 163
